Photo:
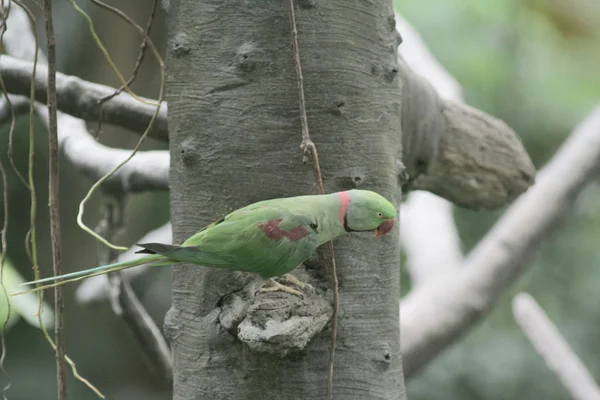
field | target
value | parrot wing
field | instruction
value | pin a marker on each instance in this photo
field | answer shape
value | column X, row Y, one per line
column 265, row 239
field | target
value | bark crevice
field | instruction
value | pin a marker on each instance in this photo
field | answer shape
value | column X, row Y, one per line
column 275, row 323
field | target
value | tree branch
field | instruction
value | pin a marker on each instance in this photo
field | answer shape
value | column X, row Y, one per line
column 146, row 331
column 554, row 349
column 81, row 98
column 483, row 164
column 147, row 170
column 126, row 303
column 455, row 151
column 435, row 314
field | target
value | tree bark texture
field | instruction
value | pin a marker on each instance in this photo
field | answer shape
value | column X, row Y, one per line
column 235, row 133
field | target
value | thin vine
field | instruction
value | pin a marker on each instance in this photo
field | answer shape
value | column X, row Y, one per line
column 140, row 58
column 4, row 14
column 13, row 119
column 107, row 55
column 96, row 185
column 31, row 244
column 308, row 148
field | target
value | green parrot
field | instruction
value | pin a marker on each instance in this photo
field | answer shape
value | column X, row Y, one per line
column 270, row 238
column 22, row 306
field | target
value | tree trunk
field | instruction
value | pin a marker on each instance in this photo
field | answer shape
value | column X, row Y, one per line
column 235, row 134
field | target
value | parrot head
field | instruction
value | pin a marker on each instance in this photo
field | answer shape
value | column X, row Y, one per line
column 368, row 211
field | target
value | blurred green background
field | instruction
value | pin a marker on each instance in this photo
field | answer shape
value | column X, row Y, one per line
column 532, row 63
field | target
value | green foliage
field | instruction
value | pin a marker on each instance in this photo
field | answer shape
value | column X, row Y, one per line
column 25, row 306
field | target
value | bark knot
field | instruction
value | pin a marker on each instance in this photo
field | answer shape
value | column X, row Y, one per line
column 180, row 45
column 275, row 323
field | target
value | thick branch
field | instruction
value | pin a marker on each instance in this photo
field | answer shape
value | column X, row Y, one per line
column 554, row 349
column 458, row 152
column 148, row 334
column 482, row 163
column 435, row 314
column 81, row 98
column 147, row 170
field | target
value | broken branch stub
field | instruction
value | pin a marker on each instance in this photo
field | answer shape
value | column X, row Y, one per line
column 276, row 323
column 458, row 152
column 481, row 163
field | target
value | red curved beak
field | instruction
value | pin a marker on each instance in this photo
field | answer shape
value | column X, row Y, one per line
column 385, row 227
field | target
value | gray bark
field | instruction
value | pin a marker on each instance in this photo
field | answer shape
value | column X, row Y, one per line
column 235, row 133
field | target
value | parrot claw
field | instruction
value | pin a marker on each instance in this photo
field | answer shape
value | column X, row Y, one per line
column 278, row 287
column 295, row 281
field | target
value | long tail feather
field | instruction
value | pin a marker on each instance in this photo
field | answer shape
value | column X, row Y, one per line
column 88, row 273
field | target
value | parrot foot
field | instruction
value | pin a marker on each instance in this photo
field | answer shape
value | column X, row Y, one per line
column 295, row 281
column 278, row 287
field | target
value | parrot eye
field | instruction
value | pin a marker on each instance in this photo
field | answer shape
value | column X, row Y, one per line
column 313, row 226
column 380, row 214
